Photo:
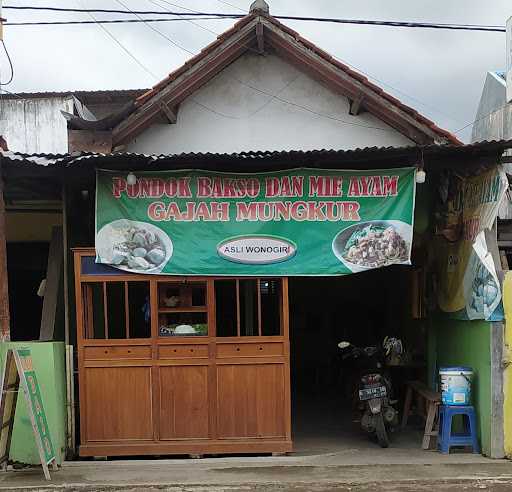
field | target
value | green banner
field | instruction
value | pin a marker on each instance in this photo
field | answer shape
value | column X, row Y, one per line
column 294, row 222
column 29, row 381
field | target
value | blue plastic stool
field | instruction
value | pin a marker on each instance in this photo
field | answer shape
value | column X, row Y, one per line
column 447, row 438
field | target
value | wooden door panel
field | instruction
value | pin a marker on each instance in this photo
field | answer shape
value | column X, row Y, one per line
column 251, row 400
column 183, row 402
column 118, row 403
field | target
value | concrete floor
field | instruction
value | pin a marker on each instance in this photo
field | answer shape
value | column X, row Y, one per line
column 330, row 453
column 264, row 473
column 324, row 431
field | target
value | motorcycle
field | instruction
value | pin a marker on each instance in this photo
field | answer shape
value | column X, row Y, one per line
column 379, row 417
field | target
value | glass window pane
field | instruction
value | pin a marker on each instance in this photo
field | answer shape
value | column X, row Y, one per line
column 248, row 308
column 270, row 292
column 181, row 294
column 183, row 324
column 94, row 311
column 198, row 295
column 139, row 309
column 225, row 308
column 169, row 295
column 116, row 314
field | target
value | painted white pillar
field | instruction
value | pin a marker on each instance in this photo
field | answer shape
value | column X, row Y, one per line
column 509, row 60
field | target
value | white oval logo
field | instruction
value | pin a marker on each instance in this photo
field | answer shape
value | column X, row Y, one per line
column 256, row 250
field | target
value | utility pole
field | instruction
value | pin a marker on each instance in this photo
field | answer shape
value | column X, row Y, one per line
column 5, row 319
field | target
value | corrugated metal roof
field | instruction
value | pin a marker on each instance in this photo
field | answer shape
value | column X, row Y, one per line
column 118, row 93
column 358, row 154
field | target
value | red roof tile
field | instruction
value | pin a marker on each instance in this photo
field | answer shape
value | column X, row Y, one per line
column 311, row 46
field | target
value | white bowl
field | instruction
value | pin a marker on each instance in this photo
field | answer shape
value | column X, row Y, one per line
column 184, row 330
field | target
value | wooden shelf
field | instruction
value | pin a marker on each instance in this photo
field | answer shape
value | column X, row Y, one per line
column 190, row 309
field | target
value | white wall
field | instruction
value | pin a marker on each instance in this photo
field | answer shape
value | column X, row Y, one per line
column 35, row 125
column 509, row 60
column 493, row 120
column 237, row 118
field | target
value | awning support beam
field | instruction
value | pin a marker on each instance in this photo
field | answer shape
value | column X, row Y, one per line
column 356, row 105
column 170, row 115
column 260, row 38
column 5, row 320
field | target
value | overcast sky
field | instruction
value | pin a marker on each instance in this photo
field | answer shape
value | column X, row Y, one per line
column 440, row 73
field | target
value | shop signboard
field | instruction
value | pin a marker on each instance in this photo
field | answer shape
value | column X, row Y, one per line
column 293, row 222
column 469, row 287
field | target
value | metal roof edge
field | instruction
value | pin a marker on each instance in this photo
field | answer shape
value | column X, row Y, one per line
column 67, row 160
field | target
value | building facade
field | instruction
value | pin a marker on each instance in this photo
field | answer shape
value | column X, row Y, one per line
column 260, row 98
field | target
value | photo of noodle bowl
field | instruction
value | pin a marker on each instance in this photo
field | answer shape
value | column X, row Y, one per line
column 373, row 244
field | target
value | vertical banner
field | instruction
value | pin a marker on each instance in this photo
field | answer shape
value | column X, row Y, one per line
column 294, row 222
column 30, row 385
column 468, row 284
column 18, row 372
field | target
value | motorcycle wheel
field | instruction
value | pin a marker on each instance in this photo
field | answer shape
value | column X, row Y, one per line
column 380, row 430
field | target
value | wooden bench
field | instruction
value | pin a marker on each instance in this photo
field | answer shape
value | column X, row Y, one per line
column 432, row 401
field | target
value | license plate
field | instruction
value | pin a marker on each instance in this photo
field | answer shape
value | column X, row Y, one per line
column 369, row 393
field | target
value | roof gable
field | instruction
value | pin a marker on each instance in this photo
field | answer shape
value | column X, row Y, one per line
column 256, row 31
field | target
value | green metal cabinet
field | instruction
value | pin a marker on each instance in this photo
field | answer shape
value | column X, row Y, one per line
column 49, row 363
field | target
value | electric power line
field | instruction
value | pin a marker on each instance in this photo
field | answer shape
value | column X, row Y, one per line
column 10, row 64
column 382, row 23
column 341, row 60
column 385, row 23
column 126, row 11
column 189, row 10
column 217, row 34
column 122, row 46
column 412, row 98
column 501, row 108
column 189, row 52
column 231, row 5
column 104, row 21
column 236, row 16
column 272, row 97
column 204, row 28
column 178, row 45
column 197, row 16
column 176, row 5
column 14, row 94
column 275, row 96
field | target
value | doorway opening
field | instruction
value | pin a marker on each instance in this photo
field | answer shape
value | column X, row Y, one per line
column 26, row 266
column 362, row 309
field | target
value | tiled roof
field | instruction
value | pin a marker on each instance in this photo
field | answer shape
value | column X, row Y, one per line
column 326, row 56
column 310, row 46
column 195, row 59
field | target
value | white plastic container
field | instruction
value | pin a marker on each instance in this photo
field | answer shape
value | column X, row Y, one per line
column 456, row 385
